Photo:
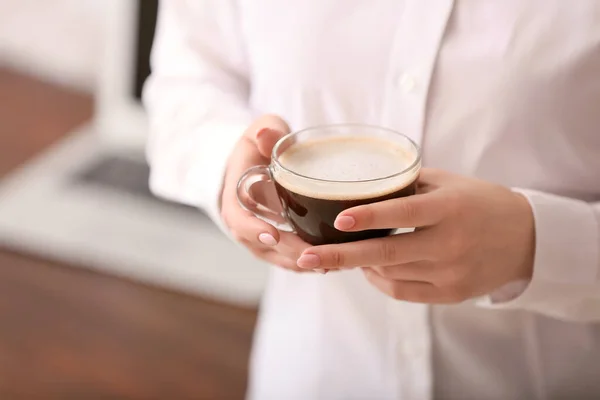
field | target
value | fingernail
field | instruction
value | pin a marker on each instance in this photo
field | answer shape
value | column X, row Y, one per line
column 344, row 222
column 267, row 239
column 261, row 132
column 321, row 271
column 309, row 261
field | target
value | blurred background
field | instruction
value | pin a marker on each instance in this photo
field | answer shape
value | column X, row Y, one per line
column 105, row 291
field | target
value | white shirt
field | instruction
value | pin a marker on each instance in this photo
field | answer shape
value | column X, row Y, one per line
column 507, row 91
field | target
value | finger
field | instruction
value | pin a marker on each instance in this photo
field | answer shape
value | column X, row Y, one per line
column 417, row 292
column 423, row 188
column 291, row 245
column 420, row 271
column 268, row 129
column 244, row 156
column 391, row 250
column 434, row 176
column 431, row 179
column 406, row 212
column 274, row 255
column 245, row 227
column 266, row 139
column 280, row 260
column 438, row 274
column 243, row 224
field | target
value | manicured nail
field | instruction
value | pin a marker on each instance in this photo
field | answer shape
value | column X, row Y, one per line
column 261, row 132
column 309, row 261
column 344, row 222
column 267, row 239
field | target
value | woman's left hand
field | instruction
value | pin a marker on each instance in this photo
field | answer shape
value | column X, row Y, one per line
column 471, row 238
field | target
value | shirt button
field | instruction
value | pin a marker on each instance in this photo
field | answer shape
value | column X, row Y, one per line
column 407, row 82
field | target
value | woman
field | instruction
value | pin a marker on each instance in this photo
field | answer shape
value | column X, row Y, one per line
column 497, row 295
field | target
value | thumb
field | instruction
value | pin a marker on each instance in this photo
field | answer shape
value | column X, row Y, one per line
column 431, row 179
column 266, row 139
column 269, row 129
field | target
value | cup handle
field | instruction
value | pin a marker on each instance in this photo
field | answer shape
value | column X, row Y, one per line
column 261, row 173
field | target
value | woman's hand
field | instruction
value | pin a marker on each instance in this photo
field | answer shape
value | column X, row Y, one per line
column 262, row 239
column 471, row 238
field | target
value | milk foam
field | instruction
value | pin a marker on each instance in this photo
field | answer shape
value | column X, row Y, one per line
column 353, row 166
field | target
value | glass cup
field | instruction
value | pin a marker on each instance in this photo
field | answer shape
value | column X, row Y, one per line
column 310, row 203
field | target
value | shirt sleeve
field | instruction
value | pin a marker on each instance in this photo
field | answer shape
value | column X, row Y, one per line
column 197, row 100
column 566, row 272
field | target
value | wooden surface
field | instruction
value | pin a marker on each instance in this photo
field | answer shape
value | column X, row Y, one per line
column 69, row 333
column 33, row 115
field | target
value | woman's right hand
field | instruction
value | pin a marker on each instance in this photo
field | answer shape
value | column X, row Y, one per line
column 262, row 239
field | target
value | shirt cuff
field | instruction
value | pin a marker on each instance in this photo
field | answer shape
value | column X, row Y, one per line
column 566, row 258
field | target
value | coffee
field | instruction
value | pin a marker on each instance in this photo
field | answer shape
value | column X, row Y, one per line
column 322, row 177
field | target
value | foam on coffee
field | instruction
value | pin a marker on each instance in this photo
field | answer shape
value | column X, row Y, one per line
column 351, row 166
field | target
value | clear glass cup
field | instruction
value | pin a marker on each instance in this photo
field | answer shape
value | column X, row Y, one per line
column 310, row 205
